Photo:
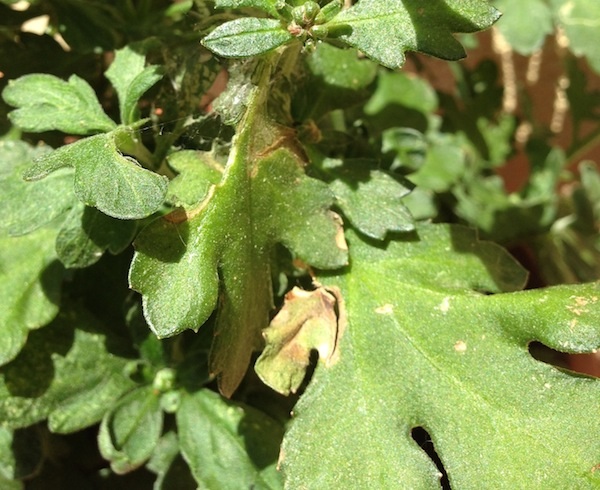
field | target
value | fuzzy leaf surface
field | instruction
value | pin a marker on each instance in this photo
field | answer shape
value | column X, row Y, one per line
column 131, row 78
column 30, row 283
column 216, row 435
column 20, row 200
column 370, row 199
column 221, row 249
column 104, row 178
column 87, row 233
column 248, row 36
column 131, row 430
column 65, row 373
column 45, row 102
column 453, row 361
column 233, row 232
column 384, row 31
column 268, row 6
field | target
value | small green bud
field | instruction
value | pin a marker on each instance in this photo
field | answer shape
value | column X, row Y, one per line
column 328, row 12
column 305, row 14
column 319, row 31
column 170, row 401
column 164, row 380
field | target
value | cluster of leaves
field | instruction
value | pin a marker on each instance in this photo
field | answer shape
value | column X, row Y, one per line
column 147, row 243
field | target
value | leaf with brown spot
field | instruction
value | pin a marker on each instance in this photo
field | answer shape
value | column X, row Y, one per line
column 308, row 321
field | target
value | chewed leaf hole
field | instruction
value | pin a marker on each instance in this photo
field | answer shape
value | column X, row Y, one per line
column 588, row 364
column 423, row 439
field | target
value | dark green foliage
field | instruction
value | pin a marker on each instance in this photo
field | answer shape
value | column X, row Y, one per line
column 209, row 205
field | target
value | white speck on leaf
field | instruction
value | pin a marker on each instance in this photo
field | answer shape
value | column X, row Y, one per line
column 386, row 309
column 460, row 346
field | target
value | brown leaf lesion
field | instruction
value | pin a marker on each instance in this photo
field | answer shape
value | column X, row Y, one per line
column 308, row 321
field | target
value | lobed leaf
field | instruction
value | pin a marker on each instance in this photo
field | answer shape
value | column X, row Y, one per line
column 384, row 31
column 418, row 305
column 221, row 249
column 370, row 199
column 104, row 178
column 22, row 201
column 216, row 435
column 30, row 284
column 65, row 373
column 87, row 233
column 131, row 78
column 131, row 430
column 45, row 102
column 248, row 36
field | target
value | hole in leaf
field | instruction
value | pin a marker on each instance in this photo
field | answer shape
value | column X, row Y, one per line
column 423, row 439
column 588, row 364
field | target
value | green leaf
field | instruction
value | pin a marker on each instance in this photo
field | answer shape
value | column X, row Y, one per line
column 197, row 173
column 169, row 465
column 30, row 283
column 29, row 205
column 339, row 78
column 402, row 89
column 248, row 36
column 216, row 436
column 106, row 179
column 370, row 199
column 65, row 373
column 268, row 6
column 517, row 27
column 87, row 234
column 131, row 430
column 418, row 305
column 444, row 165
column 21, row 456
column 233, row 232
column 577, row 20
column 131, row 79
column 384, row 31
column 45, row 102
column 221, row 249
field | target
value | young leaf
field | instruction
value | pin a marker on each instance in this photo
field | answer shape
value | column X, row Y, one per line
column 104, row 178
column 45, row 102
column 385, row 30
column 131, row 430
column 370, row 199
column 131, row 79
column 268, row 6
column 248, row 36
column 197, row 173
column 22, row 201
column 65, row 373
column 216, row 436
column 415, row 310
column 30, row 283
